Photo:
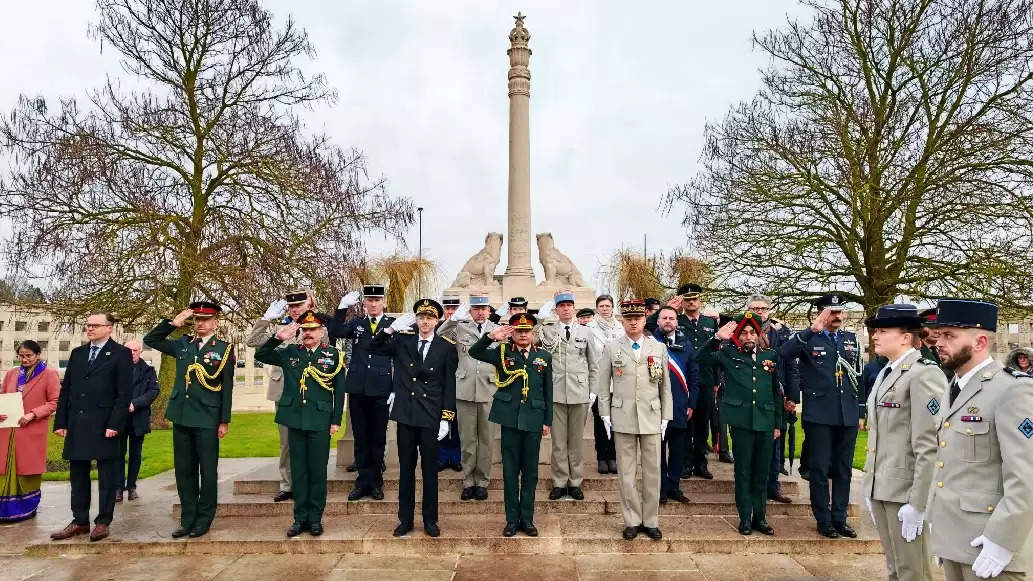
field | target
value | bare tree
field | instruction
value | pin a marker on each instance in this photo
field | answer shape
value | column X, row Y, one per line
column 887, row 153
column 192, row 176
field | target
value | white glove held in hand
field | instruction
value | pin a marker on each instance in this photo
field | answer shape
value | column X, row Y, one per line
column 442, row 430
column 404, row 322
column 608, row 425
column 276, row 310
column 462, row 313
column 663, row 428
column 591, row 399
column 503, row 311
column 871, row 511
column 992, row 559
column 390, row 401
column 913, row 521
column 349, row 300
column 546, row 311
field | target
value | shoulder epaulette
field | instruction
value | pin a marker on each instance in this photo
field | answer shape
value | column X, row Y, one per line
column 1016, row 372
column 925, row 361
column 449, row 339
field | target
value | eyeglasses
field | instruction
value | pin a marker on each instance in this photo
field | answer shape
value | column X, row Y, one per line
column 760, row 309
column 94, row 326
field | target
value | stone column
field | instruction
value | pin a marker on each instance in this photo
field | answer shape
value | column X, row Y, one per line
column 519, row 242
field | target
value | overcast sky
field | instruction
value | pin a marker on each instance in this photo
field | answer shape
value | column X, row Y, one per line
column 619, row 97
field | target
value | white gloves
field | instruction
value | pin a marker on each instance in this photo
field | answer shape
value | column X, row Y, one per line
column 390, row 401
column 992, row 559
column 404, row 322
column 349, row 300
column 871, row 511
column 663, row 428
column 608, row 425
column 442, row 430
column 503, row 311
column 546, row 311
column 462, row 313
column 912, row 519
column 276, row 310
column 591, row 399
column 711, row 312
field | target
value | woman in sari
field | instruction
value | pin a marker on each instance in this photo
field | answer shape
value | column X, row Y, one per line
column 24, row 449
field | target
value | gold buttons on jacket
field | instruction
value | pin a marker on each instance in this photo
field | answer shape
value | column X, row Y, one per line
column 939, row 484
column 969, row 431
column 990, row 508
column 412, row 393
column 943, row 444
column 414, row 380
column 946, row 424
column 940, row 464
column 754, row 391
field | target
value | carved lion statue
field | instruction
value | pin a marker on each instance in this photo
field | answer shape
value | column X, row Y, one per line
column 559, row 268
column 480, row 269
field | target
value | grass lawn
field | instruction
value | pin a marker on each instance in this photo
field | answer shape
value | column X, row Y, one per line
column 252, row 434
column 860, row 449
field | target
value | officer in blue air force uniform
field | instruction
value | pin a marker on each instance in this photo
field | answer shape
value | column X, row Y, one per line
column 831, row 411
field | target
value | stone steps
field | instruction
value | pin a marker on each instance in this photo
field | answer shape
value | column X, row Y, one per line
column 476, row 534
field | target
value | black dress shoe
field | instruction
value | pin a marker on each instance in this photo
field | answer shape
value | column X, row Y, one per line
column 678, row 496
column 317, row 529
column 557, row 493
column 529, row 529
column 779, row 497
column 295, row 530
column 576, row 493
column 432, row 529
column 653, row 533
column 467, row 493
column 763, row 527
column 603, row 467
column 784, row 472
column 612, row 465
column 356, row 493
column 663, row 497
column 118, row 496
column 827, row 530
column 442, row 467
column 383, row 466
column 480, row 493
column 630, row 533
column 198, row 532
column 131, row 494
column 726, row 458
column 457, row 466
column 403, row 528
column 686, row 473
column 377, row 493
column 283, row 495
column 805, row 474
column 510, row 530
column 180, row 532
column 845, row 530
column 745, row 528
column 352, row 467
column 703, row 473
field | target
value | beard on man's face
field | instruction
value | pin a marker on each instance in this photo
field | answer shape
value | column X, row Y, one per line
column 956, row 361
column 749, row 345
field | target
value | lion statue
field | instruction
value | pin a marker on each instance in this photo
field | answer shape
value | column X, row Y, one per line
column 480, row 269
column 559, row 269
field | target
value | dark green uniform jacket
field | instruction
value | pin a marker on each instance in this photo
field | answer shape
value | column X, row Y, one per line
column 511, row 407
column 202, row 396
column 752, row 399
column 313, row 384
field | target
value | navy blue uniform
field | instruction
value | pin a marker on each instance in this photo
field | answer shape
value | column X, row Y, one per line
column 831, row 408
column 684, row 395
column 787, row 371
column 367, row 384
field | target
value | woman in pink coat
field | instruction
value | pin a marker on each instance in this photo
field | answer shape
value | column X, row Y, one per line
column 39, row 386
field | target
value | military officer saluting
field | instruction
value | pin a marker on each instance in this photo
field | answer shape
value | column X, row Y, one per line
column 831, row 411
column 474, row 391
column 982, row 497
column 367, row 384
column 199, row 409
column 637, row 412
column 522, row 405
column 422, row 403
column 902, row 409
column 751, row 404
column 449, row 449
column 575, row 361
column 310, row 407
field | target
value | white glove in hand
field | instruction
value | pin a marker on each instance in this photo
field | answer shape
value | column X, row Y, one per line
column 404, row 322
column 503, row 311
column 607, row 425
column 349, row 300
column 591, row 399
column 871, row 511
column 390, row 401
column 462, row 313
column 913, row 521
column 276, row 310
column 992, row 559
column 711, row 312
column 663, row 428
column 442, row 430
column 546, row 311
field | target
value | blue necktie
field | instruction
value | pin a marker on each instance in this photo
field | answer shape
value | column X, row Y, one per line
column 93, row 353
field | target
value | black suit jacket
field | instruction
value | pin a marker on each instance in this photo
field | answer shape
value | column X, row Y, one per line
column 425, row 389
column 94, row 398
column 144, row 390
column 368, row 373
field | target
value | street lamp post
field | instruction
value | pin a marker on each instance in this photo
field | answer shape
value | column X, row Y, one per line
column 419, row 253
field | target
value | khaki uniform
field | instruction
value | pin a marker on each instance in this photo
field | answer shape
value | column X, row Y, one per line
column 641, row 398
column 575, row 363
column 260, row 333
column 902, row 410
column 975, row 490
column 474, row 392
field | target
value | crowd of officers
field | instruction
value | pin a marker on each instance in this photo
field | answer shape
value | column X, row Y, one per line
column 950, row 446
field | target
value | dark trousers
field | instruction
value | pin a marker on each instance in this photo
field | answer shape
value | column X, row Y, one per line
column 310, row 450
column 195, row 454
column 108, row 480
column 415, row 441
column 369, row 422
column 777, row 459
column 520, row 473
column 127, row 442
column 699, row 429
column 604, row 447
column 449, row 450
column 752, row 450
column 830, row 453
column 720, row 437
column 672, row 459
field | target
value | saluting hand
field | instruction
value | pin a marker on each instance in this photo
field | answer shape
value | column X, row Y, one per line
column 676, row 303
column 502, row 333
column 182, row 317
column 821, row 322
column 726, row 330
column 288, row 331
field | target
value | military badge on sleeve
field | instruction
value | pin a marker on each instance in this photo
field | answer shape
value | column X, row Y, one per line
column 1026, row 427
column 933, row 406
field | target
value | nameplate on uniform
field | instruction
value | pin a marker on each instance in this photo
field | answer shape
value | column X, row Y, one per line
column 971, row 418
column 888, row 404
